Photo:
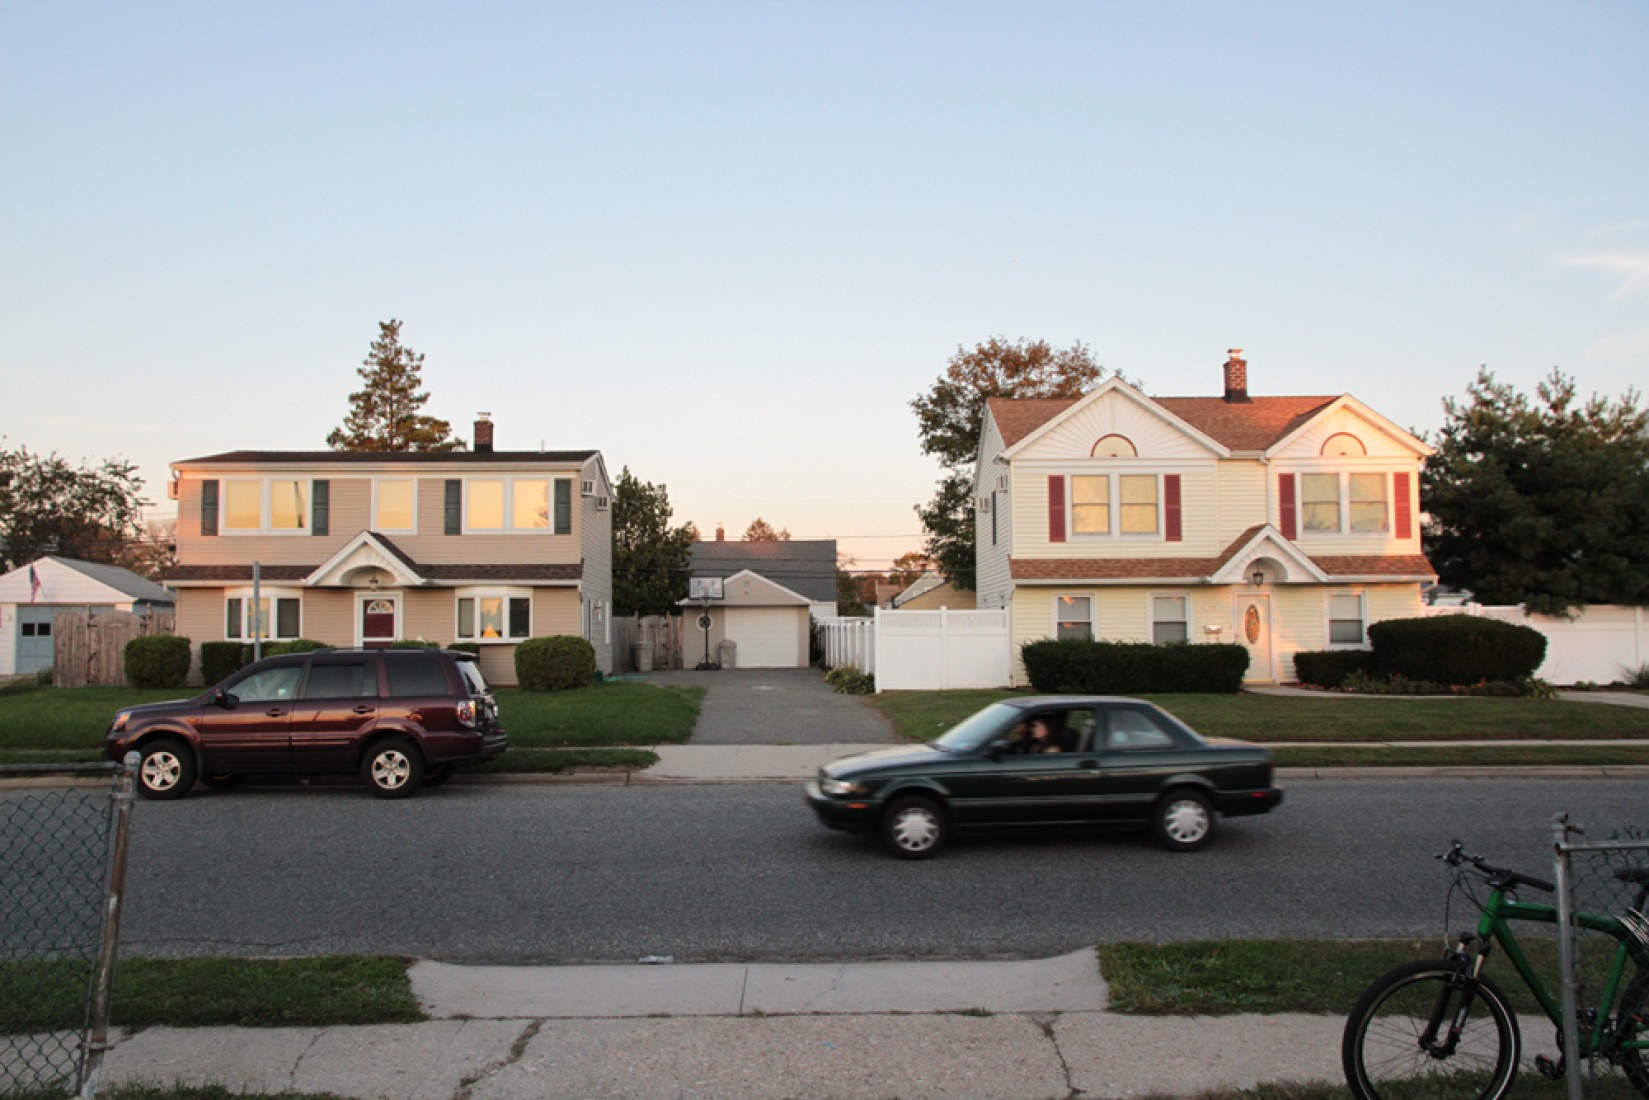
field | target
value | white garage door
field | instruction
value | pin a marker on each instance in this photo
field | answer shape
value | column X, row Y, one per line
column 768, row 637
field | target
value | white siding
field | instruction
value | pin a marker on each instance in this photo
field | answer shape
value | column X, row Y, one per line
column 595, row 527
column 1115, row 413
column 8, row 639
column 991, row 580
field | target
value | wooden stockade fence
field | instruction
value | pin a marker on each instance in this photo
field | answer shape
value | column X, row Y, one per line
column 664, row 633
column 91, row 649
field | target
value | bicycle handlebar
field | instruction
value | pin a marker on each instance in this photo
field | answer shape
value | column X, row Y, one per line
column 1499, row 877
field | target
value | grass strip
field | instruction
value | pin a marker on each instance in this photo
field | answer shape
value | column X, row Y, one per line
column 1226, row 977
column 323, row 991
column 540, row 761
column 1508, row 754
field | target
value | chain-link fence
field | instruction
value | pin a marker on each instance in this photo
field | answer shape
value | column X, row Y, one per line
column 62, row 865
column 1603, row 952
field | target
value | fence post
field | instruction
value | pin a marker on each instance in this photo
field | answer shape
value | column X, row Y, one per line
column 1567, row 975
column 103, row 984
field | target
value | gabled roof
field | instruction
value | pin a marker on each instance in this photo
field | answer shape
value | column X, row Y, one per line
column 1252, row 425
column 350, row 458
column 807, row 567
column 121, row 580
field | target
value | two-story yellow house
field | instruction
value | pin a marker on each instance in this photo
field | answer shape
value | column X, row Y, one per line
column 358, row 548
column 1282, row 523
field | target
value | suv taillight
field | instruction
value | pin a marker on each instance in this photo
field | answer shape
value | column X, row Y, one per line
column 466, row 714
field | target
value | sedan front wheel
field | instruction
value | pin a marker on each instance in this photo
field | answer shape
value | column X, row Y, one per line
column 914, row 827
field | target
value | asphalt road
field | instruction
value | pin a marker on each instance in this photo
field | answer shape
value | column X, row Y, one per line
column 576, row 874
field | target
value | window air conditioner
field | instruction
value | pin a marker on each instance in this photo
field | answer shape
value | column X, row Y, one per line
column 601, row 504
column 589, row 488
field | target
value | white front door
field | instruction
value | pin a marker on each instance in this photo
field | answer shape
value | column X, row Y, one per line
column 1252, row 614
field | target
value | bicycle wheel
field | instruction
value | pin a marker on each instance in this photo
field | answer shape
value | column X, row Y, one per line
column 1383, row 1052
column 1635, row 1006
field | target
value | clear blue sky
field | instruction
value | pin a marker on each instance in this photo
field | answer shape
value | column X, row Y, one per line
column 726, row 244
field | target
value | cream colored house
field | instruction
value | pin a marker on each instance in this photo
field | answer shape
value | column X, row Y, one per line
column 363, row 549
column 1282, row 523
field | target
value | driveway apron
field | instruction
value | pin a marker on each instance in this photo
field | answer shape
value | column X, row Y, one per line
column 776, row 706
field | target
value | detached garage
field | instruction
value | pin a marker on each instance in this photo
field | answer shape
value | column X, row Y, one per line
column 32, row 596
column 766, row 622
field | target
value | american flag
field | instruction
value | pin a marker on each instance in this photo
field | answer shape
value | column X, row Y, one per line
column 35, row 587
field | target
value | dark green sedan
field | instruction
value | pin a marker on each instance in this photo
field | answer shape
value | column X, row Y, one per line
column 1048, row 760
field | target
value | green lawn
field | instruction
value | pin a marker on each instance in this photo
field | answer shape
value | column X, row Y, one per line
column 923, row 715
column 52, row 725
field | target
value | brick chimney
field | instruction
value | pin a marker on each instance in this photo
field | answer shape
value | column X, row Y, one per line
column 483, row 433
column 1236, row 377
column 721, row 536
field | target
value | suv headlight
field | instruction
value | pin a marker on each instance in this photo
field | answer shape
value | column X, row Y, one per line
column 120, row 721
column 838, row 788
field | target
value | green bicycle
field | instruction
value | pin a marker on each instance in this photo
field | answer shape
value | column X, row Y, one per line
column 1442, row 1028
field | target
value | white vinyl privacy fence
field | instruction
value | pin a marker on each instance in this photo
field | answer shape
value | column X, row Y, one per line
column 1601, row 644
column 923, row 650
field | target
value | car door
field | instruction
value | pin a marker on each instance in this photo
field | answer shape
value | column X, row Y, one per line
column 249, row 729
column 1011, row 786
column 340, row 702
column 1140, row 753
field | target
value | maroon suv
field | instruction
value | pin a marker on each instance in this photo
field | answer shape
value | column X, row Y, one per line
column 401, row 718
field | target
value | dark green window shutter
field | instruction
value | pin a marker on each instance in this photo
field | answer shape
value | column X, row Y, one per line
column 209, row 507
column 321, row 502
column 455, row 507
column 563, row 506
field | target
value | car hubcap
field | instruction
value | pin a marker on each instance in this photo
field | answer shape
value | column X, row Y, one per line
column 390, row 770
column 1186, row 821
column 160, row 771
column 915, row 830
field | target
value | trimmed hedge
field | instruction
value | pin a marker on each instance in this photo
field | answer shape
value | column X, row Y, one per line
column 1074, row 666
column 1329, row 667
column 558, row 663
column 296, row 645
column 220, row 660
column 158, row 661
column 1456, row 649
column 466, row 647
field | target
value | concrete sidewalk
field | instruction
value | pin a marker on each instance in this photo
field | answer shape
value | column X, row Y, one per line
column 1035, row 1030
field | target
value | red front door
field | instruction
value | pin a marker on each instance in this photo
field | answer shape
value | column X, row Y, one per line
column 379, row 620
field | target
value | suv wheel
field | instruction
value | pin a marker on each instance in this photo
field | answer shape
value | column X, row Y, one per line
column 167, row 769
column 392, row 768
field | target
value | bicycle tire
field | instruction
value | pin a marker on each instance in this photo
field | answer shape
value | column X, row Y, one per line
column 1381, row 1049
column 1632, row 1005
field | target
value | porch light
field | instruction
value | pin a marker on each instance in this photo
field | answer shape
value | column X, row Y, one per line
column 1258, row 577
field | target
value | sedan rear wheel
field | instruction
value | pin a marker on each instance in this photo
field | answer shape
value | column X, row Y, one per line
column 392, row 768
column 1184, row 821
column 914, row 827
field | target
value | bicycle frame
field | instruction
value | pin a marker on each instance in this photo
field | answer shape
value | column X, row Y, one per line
column 1494, row 926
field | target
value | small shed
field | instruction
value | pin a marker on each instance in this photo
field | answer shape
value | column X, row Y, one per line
column 33, row 595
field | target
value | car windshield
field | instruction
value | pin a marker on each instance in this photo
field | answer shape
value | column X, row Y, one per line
column 975, row 732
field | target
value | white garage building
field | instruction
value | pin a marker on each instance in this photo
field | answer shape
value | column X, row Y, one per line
column 770, row 592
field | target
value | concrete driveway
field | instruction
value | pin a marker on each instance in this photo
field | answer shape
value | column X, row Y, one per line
column 777, row 706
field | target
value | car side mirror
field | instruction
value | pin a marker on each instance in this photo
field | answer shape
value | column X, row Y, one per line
column 999, row 748
column 221, row 698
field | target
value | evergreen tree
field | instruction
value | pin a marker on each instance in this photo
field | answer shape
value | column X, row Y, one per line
column 762, row 531
column 384, row 413
column 651, row 559
column 1542, row 503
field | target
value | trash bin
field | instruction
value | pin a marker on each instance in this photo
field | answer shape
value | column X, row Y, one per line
column 643, row 656
column 729, row 651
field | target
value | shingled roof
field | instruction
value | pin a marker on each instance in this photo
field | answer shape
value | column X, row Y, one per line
column 1251, row 425
column 806, row 567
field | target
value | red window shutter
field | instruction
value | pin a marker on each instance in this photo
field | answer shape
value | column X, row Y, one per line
column 1286, row 506
column 1170, row 506
column 1056, row 508
column 1405, row 506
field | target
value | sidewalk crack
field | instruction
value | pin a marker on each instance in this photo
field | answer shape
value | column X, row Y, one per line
column 1046, row 1023
column 466, row 1087
column 292, row 1078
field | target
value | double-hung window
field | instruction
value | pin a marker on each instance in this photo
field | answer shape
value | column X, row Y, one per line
column 1170, row 620
column 276, row 615
column 395, row 505
column 517, row 504
column 1074, row 617
column 258, row 506
column 1126, row 504
column 1368, row 502
column 1346, row 619
column 1335, row 503
column 494, row 615
column 1320, row 502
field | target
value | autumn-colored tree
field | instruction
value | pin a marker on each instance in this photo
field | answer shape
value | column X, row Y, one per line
column 384, row 413
column 908, row 568
column 949, row 418
column 762, row 531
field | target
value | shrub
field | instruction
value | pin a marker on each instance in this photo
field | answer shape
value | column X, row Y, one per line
column 220, row 660
column 1081, row 667
column 558, row 663
column 849, row 680
column 413, row 643
column 296, row 645
column 160, row 661
column 1329, row 667
column 1456, row 649
column 466, row 647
